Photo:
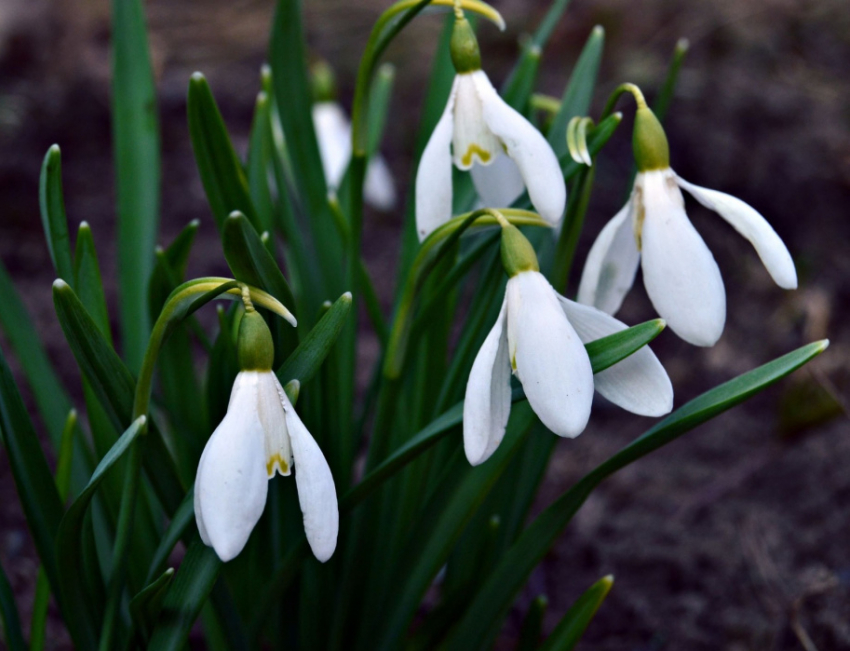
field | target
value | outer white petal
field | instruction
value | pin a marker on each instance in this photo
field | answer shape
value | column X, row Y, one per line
column 231, row 485
column 680, row 274
column 639, row 383
column 498, row 184
column 749, row 223
column 612, row 263
column 487, row 405
column 333, row 132
column 316, row 491
column 434, row 176
column 379, row 189
column 548, row 355
column 535, row 159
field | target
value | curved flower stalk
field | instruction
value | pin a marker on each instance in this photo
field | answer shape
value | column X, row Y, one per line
column 679, row 272
column 480, row 133
column 261, row 435
column 539, row 336
column 333, row 132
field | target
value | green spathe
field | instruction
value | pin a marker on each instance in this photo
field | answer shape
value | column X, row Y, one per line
column 466, row 56
column 517, row 253
column 323, row 82
column 256, row 350
column 649, row 141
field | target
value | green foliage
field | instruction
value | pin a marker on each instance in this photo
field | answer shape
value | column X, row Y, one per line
column 409, row 502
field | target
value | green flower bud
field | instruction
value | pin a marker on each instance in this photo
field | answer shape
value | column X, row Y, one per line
column 322, row 82
column 517, row 253
column 649, row 141
column 466, row 56
column 254, row 345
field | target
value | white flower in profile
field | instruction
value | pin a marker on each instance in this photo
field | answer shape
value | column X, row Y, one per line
column 261, row 435
column 333, row 133
column 539, row 336
column 679, row 271
column 479, row 132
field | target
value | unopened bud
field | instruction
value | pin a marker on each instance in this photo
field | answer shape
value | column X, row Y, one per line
column 466, row 56
column 649, row 141
column 254, row 346
column 517, row 253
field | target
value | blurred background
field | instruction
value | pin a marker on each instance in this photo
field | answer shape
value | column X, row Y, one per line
column 737, row 536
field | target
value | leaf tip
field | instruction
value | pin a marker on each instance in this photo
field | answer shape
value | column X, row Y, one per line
column 198, row 78
column 822, row 345
column 346, row 297
column 598, row 32
column 84, row 226
column 54, row 150
column 60, row 285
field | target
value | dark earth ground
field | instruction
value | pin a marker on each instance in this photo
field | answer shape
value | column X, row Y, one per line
column 735, row 537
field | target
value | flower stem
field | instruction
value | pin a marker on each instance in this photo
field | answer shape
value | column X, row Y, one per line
column 636, row 92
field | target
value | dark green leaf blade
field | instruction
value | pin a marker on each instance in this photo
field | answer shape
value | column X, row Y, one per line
column 579, row 92
column 78, row 612
column 145, row 606
column 135, row 129
column 484, row 616
column 14, row 637
column 51, row 201
column 575, row 622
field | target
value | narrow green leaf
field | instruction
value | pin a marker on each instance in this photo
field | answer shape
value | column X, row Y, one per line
column 33, row 479
column 166, row 277
column 250, row 261
column 145, row 606
column 482, row 620
column 88, row 282
column 379, row 106
column 221, row 171
column 51, row 201
column 260, row 151
column 186, row 595
column 532, row 625
column 668, row 88
column 180, row 523
column 78, row 612
column 549, row 22
column 303, row 363
column 439, row 526
column 50, row 396
column 115, row 388
column 41, row 601
column 573, row 625
column 135, row 130
column 520, row 84
column 14, row 637
column 579, row 92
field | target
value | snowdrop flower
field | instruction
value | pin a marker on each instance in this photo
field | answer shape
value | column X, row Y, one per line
column 479, row 132
column 539, row 336
column 261, row 435
column 333, row 132
column 679, row 272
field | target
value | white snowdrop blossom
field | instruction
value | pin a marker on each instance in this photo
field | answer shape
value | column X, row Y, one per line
column 479, row 132
column 679, row 272
column 261, row 435
column 333, row 132
column 539, row 336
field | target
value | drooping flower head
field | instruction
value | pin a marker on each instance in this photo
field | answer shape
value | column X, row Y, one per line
column 480, row 133
column 539, row 336
column 679, row 272
column 261, row 435
column 333, row 133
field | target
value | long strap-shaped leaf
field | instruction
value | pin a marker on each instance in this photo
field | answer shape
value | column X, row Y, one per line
column 225, row 182
column 575, row 622
column 135, row 129
column 33, row 479
column 14, row 638
column 78, row 613
column 483, row 619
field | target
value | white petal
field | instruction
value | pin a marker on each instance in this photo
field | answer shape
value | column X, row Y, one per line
column 333, row 133
column 379, row 189
column 272, row 417
column 680, row 274
column 498, row 184
column 231, row 485
column 316, row 491
column 749, row 223
column 472, row 140
column 639, row 383
column 612, row 263
column 434, row 176
column 535, row 159
column 548, row 355
column 488, row 395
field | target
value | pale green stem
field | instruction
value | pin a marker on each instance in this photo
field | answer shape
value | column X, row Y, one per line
column 618, row 91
